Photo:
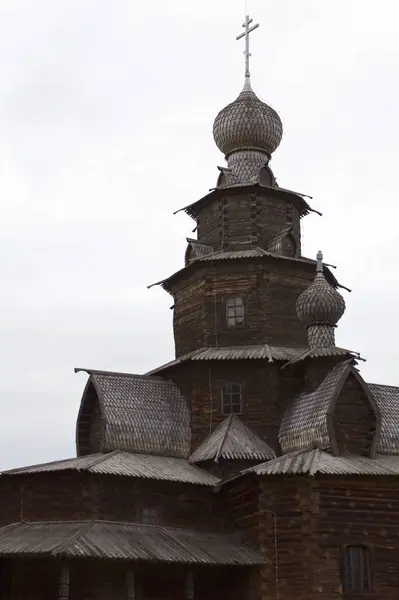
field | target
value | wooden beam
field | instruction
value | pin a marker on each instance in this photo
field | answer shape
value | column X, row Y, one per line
column 63, row 593
column 130, row 587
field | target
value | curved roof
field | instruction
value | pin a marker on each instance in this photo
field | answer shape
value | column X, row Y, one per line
column 307, row 422
column 137, row 413
column 247, row 124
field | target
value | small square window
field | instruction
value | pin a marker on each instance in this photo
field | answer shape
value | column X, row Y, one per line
column 149, row 516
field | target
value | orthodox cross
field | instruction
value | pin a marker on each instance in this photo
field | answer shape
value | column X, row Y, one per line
column 246, row 33
column 319, row 258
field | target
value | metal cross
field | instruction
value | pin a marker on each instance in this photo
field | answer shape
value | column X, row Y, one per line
column 246, row 33
column 319, row 258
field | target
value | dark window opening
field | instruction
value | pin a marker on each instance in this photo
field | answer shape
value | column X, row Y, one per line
column 357, row 569
column 149, row 516
column 235, row 311
column 231, row 399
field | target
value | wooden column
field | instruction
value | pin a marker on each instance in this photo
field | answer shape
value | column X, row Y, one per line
column 130, row 588
column 189, row 586
column 63, row 593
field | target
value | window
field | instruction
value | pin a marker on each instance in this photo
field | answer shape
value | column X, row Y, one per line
column 235, row 311
column 231, row 399
column 357, row 569
column 149, row 516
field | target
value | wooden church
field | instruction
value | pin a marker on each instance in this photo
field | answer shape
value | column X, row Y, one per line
column 257, row 464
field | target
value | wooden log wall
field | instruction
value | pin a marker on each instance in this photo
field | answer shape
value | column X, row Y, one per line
column 83, row 496
column 242, row 219
column 359, row 510
column 202, row 382
column 269, row 288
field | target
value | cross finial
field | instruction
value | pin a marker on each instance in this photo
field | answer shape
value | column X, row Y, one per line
column 319, row 258
column 247, row 53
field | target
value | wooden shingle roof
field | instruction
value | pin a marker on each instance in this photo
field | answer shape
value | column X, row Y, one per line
column 307, row 422
column 232, row 440
column 123, row 541
column 125, row 464
column 138, row 413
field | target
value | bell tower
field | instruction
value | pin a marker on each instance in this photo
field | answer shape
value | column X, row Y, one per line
column 245, row 270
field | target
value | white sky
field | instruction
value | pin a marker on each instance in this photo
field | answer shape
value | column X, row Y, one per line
column 106, row 112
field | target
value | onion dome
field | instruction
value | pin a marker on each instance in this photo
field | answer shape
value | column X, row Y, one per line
column 247, row 124
column 320, row 303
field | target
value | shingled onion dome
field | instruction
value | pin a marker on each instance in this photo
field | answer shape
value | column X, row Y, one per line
column 319, row 308
column 247, row 131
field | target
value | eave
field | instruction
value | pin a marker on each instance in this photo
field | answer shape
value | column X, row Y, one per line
column 193, row 209
column 245, row 255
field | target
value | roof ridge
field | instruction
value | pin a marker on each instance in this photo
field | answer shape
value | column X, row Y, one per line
column 86, row 526
column 222, row 442
column 315, row 461
column 102, row 458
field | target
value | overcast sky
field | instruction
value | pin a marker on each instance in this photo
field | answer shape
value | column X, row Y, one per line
column 106, row 112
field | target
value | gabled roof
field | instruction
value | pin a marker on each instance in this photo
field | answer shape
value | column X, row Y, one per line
column 316, row 461
column 139, row 413
column 307, row 422
column 123, row 541
column 232, row 439
column 126, row 464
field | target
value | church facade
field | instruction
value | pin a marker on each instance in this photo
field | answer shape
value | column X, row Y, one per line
column 256, row 464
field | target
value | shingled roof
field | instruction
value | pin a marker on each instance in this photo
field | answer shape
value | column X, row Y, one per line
column 232, row 439
column 307, row 422
column 126, row 464
column 123, row 541
column 387, row 399
column 317, row 461
column 138, row 413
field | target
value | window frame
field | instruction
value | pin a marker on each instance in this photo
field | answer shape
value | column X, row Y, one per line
column 152, row 512
column 349, row 586
column 234, row 316
column 231, row 392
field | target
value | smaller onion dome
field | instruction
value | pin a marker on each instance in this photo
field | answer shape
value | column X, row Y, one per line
column 320, row 303
column 247, row 124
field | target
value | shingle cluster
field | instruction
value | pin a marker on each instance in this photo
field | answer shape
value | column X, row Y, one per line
column 305, row 422
column 247, row 124
column 142, row 414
